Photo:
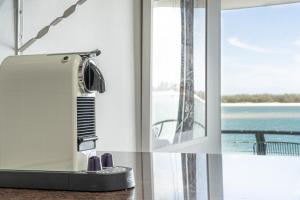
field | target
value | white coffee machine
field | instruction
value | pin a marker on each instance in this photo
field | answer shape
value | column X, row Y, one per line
column 47, row 120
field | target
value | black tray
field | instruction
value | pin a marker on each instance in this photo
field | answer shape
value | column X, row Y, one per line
column 109, row 179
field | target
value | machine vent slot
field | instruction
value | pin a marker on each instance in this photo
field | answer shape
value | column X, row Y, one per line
column 86, row 116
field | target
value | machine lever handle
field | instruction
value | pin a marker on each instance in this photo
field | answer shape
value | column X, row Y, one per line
column 86, row 139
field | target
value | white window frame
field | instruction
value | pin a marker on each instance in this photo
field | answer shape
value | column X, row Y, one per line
column 212, row 142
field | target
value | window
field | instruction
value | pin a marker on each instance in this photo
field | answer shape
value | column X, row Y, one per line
column 260, row 79
column 178, row 71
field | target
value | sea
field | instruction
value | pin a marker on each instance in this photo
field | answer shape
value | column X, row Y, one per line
column 252, row 116
column 240, row 116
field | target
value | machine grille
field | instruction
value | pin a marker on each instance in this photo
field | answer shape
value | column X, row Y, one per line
column 86, row 116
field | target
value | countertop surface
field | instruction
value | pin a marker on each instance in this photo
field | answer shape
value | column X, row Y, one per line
column 176, row 176
column 23, row 194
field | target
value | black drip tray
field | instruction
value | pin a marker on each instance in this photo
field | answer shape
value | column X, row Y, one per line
column 108, row 179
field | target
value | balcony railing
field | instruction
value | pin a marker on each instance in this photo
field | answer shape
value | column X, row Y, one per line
column 260, row 145
column 158, row 126
column 264, row 147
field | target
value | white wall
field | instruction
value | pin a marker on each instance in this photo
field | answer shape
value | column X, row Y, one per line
column 114, row 27
column 6, row 28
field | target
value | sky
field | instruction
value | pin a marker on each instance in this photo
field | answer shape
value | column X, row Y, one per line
column 167, row 47
column 260, row 49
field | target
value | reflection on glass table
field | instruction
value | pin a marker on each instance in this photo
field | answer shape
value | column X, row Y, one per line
column 206, row 176
column 169, row 176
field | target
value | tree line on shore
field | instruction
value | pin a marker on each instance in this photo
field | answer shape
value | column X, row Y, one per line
column 261, row 98
column 240, row 98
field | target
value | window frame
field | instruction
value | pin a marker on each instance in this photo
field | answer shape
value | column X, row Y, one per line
column 211, row 143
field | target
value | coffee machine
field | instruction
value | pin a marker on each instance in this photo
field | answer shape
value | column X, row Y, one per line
column 48, row 124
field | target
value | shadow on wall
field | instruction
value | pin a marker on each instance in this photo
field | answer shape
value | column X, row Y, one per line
column 6, row 36
column 6, row 44
column 1, row 2
column 137, row 72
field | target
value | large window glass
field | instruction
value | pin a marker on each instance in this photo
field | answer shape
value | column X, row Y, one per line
column 260, row 80
column 178, row 71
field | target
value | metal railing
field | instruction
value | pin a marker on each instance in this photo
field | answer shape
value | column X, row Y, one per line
column 271, row 132
column 260, row 146
column 160, row 125
column 277, row 148
column 263, row 147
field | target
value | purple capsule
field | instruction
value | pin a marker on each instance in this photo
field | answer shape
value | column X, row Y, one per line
column 107, row 160
column 94, row 164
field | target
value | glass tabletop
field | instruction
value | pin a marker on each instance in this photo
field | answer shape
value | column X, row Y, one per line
column 198, row 176
column 213, row 176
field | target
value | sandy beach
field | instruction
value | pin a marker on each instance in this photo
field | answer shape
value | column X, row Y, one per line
column 259, row 104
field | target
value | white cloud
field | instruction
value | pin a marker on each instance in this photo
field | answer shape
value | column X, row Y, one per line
column 234, row 41
column 296, row 58
column 259, row 79
column 297, row 42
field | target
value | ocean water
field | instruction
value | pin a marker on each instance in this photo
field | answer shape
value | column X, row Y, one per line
column 277, row 117
column 250, row 117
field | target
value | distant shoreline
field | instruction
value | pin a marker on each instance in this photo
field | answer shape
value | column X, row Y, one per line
column 258, row 104
column 175, row 94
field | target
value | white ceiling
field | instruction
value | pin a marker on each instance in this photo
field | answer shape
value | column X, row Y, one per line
column 227, row 4
column 235, row 4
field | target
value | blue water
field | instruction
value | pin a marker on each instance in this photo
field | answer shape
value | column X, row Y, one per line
column 278, row 124
column 277, row 118
column 261, row 109
column 268, row 118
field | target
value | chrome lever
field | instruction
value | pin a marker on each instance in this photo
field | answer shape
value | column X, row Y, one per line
column 90, row 54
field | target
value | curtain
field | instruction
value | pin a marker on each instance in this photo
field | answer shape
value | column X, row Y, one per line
column 185, row 117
